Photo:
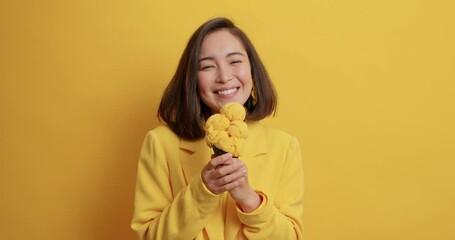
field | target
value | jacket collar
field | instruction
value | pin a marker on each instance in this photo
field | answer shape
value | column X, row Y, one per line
column 256, row 143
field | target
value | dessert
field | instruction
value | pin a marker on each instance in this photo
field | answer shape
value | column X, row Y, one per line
column 226, row 131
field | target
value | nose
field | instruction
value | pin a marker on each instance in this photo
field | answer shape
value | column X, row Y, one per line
column 224, row 75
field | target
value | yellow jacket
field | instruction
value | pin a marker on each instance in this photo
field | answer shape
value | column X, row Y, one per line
column 172, row 202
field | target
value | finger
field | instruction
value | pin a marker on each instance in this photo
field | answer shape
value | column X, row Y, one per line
column 231, row 165
column 219, row 160
column 233, row 184
column 238, row 174
column 227, row 163
column 229, row 169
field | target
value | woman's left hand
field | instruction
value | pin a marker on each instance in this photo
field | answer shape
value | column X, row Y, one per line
column 245, row 197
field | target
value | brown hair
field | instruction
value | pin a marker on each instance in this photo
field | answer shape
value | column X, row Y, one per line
column 181, row 107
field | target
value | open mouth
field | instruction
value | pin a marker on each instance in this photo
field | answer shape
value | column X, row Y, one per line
column 227, row 91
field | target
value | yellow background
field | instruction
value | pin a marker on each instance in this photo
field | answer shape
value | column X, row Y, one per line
column 367, row 87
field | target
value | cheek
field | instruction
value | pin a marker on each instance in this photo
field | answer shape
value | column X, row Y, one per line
column 201, row 82
column 246, row 77
column 203, row 86
column 245, row 73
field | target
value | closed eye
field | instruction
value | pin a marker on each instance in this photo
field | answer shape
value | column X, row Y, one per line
column 205, row 67
column 236, row 61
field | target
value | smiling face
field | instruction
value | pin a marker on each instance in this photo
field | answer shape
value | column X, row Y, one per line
column 224, row 73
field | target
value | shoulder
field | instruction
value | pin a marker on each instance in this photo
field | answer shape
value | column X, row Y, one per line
column 275, row 132
column 163, row 130
column 272, row 136
column 163, row 133
column 270, row 133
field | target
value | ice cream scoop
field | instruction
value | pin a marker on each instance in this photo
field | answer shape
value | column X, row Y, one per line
column 226, row 131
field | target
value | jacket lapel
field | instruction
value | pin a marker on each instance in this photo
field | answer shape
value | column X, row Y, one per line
column 255, row 144
column 194, row 155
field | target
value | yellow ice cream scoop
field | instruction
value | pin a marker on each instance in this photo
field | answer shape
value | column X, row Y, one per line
column 217, row 122
column 233, row 111
column 238, row 129
column 226, row 131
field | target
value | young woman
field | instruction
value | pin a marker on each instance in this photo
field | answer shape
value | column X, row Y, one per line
column 182, row 191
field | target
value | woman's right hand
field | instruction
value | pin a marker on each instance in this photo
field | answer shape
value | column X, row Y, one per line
column 223, row 173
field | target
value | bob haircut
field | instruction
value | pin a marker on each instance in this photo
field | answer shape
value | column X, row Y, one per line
column 181, row 107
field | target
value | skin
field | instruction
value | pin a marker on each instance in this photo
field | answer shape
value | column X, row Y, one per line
column 225, row 76
column 224, row 71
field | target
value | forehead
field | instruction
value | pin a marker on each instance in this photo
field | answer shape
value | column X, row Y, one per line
column 221, row 42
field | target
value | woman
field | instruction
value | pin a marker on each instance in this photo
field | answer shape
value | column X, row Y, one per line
column 184, row 193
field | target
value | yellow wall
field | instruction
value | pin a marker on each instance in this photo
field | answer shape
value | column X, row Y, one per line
column 367, row 86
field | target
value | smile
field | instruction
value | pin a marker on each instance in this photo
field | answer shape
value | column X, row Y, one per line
column 227, row 91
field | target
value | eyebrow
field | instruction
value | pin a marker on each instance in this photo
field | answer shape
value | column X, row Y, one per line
column 228, row 55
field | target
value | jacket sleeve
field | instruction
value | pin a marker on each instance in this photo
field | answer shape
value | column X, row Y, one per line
column 282, row 218
column 158, row 214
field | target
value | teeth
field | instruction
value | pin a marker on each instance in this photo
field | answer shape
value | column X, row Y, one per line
column 226, row 92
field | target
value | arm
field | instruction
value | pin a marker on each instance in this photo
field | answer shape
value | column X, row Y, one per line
column 158, row 214
column 280, row 219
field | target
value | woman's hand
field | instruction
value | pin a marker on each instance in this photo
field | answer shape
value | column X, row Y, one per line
column 223, row 173
column 245, row 197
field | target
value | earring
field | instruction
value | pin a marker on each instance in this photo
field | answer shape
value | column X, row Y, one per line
column 254, row 95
